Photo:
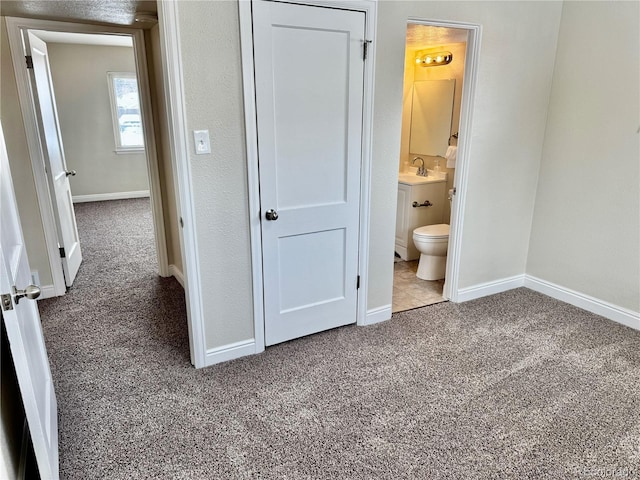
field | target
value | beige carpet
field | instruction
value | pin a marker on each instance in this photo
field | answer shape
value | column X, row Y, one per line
column 516, row 385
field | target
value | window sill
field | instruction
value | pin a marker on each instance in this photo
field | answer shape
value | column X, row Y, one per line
column 128, row 151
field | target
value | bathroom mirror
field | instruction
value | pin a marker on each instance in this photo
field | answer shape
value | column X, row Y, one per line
column 431, row 113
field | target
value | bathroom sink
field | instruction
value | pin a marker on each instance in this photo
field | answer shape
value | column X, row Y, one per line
column 437, row 175
column 413, row 179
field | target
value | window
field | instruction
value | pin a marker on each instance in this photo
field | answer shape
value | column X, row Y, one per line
column 125, row 111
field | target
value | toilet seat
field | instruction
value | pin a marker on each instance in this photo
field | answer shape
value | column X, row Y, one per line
column 439, row 231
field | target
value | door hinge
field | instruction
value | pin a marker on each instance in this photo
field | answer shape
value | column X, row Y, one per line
column 181, row 222
column 7, row 303
column 63, row 254
column 365, row 48
column 358, row 283
column 29, row 60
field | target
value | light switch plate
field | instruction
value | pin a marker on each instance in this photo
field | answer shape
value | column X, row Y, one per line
column 201, row 142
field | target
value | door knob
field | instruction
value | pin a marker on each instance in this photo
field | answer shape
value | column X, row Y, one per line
column 271, row 214
column 31, row 292
column 70, row 173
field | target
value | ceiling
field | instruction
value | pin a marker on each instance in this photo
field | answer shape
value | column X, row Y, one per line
column 426, row 36
column 84, row 38
column 112, row 12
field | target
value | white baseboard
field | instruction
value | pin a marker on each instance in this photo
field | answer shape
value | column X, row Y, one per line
column 586, row 302
column 100, row 197
column 230, row 352
column 377, row 315
column 488, row 288
column 47, row 291
column 177, row 274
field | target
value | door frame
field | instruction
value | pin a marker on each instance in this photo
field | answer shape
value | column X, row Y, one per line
column 369, row 8
column 470, row 76
column 29, row 116
column 176, row 118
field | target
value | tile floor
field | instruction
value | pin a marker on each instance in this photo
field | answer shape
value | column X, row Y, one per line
column 411, row 292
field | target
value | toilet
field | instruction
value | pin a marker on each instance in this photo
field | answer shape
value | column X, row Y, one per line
column 432, row 242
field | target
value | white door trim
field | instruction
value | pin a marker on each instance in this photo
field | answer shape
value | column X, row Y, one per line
column 452, row 275
column 27, row 106
column 253, row 178
column 369, row 7
column 177, row 121
column 36, row 154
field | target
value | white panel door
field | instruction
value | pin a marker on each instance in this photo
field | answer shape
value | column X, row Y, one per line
column 309, row 88
column 57, row 174
column 24, row 332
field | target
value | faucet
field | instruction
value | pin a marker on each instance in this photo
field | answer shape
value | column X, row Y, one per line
column 421, row 170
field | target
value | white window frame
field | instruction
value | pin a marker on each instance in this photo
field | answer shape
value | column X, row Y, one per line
column 114, row 112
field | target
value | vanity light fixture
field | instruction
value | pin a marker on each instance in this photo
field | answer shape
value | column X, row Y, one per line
column 435, row 59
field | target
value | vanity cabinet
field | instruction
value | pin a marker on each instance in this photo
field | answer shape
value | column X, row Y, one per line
column 408, row 217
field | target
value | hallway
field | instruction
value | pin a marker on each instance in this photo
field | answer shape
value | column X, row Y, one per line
column 118, row 324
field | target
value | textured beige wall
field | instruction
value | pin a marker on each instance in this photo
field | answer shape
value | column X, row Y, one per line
column 514, row 81
column 20, row 163
column 210, row 44
column 79, row 74
column 586, row 228
column 169, row 199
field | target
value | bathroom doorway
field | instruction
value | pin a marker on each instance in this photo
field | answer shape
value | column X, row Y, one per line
column 434, row 83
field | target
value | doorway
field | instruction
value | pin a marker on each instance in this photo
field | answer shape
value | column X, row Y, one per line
column 97, row 101
column 439, row 79
column 148, row 158
column 55, row 215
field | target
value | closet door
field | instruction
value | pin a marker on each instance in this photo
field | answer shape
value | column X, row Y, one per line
column 309, row 72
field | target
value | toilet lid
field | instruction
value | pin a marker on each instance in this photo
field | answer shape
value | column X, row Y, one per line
column 433, row 231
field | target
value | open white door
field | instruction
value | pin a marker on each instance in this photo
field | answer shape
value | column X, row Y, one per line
column 56, row 167
column 309, row 72
column 24, row 332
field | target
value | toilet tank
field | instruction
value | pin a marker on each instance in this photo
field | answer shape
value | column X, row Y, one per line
column 409, row 218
